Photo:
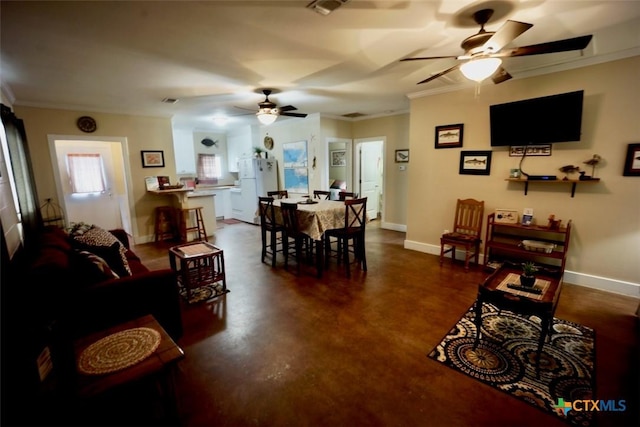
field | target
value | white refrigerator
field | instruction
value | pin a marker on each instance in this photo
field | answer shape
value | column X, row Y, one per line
column 257, row 176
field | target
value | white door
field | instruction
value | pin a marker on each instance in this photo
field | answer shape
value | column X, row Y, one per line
column 371, row 170
column 109, row 209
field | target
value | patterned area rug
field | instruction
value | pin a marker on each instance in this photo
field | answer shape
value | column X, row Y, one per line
column 203, row 293
column 506, row 355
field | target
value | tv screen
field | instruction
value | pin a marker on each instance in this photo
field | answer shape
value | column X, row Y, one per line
column 555, row 118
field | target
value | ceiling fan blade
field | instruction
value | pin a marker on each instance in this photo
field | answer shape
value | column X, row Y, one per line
column 501, row 75
column 287, row 108
column 293, row 114
column 505, row 35
column 440, row 74
column 422, row 58
column 576, row 43
column 243, row 108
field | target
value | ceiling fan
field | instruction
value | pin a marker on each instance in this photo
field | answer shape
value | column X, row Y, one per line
column 269, row 111
column 484, row 49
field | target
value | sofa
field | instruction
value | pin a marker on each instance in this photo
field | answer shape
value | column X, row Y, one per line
column 80, row 289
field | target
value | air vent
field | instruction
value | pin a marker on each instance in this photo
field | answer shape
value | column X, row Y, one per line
column 170, row 100
column 325, row 7
column 353, row 115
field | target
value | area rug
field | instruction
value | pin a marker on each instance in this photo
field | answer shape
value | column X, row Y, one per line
column 230, row 221
column 505, row 359
column 203, row 293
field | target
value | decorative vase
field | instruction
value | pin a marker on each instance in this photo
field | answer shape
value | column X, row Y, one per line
column 527, row 281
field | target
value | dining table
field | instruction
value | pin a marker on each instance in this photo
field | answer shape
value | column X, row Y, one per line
column 314, row 218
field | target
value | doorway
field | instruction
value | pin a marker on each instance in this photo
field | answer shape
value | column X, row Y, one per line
column 369, row 173
column 109, row 209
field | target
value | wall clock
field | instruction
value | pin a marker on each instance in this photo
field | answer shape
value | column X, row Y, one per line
column 87, row 124
column 268, row 142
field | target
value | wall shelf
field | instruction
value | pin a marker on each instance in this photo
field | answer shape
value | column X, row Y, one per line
column 573, row 183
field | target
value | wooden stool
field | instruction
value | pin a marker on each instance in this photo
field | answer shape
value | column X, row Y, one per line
column 165, row 223
column 198, row 224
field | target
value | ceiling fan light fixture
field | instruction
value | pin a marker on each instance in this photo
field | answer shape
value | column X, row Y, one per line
column 481, row 68
column 266, row 116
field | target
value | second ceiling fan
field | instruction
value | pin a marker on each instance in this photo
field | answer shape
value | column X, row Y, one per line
column 484, row 49
column 269, row 111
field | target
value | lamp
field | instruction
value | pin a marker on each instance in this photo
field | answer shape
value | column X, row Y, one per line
column 481, row 68
column 267, row 115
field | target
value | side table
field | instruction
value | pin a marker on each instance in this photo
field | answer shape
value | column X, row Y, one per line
column 200, row 264
column 160, row 365
column 494, row 290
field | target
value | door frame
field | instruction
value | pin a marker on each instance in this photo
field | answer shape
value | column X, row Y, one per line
column 358, row 142
column 349, row 172
column 128, row 224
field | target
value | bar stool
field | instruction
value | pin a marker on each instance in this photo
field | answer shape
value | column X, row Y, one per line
column 165, row 223
column 198, row 224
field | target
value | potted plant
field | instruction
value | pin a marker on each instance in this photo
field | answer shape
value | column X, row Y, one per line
column 257, row 152
column 528, row 276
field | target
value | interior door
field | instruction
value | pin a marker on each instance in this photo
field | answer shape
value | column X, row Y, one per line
column 371, row 175
column 103, row 209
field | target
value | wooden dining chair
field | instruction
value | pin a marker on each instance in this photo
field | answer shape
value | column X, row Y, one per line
column 278, row 194
column 269, row 226
column 321, row 194
column 351, row 237
column 467, row 227
column 344, row 195
column 296, row 243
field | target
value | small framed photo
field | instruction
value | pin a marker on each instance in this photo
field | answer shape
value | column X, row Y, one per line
column 449, row 136
column 632, row 164
column 338, row 158
column 402, row 156
column 475, row 163
column 152, row 159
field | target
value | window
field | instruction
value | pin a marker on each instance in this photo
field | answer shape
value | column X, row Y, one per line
column 209, row 169
column 86, row 173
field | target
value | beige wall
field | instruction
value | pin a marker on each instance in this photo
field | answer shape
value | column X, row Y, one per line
column 141, row 132
column 606, row 216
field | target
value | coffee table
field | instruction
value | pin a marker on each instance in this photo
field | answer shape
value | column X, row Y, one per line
column 200, row 264
column 495, row 290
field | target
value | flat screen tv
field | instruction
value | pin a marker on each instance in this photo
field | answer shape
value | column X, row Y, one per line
column 544, row 120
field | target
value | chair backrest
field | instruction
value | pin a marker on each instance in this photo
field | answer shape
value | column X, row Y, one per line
column 290, row 218
column 469, row 217
column 267, row 212
column 321, row 194
column 279, row 194
column 355, row 217
column 344, row 195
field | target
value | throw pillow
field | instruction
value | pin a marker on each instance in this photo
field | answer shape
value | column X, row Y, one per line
column 95, row 267
column 106, row 246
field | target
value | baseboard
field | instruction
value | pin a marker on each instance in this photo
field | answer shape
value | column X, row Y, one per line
column 394, row 227
column 575, row 278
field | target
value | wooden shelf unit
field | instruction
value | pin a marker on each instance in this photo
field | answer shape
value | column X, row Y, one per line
column 573, row 183
column 503, row 242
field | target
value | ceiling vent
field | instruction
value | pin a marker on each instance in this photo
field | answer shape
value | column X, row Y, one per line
column 325, row 7
column 353, row 115
column 170, row 100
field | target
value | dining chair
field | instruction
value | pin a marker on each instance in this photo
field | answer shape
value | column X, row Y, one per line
column 467, row 227
column 344, row 195
column 351, row 237
column 321, row 194
column 269, row 225
column 278, row 194
column 301, row 245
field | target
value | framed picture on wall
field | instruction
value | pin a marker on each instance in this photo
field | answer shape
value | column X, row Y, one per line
column 449, row 136
column 632, row 164
column 152, row 159
column 338, row 158
column 402, row 156
column 475, row 163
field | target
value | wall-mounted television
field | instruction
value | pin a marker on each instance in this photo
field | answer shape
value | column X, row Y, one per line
column 555, row 118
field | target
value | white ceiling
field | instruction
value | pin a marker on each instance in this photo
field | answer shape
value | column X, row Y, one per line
column 126, row 57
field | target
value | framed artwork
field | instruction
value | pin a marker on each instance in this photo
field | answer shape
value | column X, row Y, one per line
column 338, row 158
column 632, row 164
column 475, row 163
column 295, row 164
column 449, row 136
column 402, row 156
column 152, row 159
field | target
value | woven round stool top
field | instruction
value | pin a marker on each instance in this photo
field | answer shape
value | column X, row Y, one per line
column 118, row 351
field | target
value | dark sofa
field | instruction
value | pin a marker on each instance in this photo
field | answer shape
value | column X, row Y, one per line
column 73, row 294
